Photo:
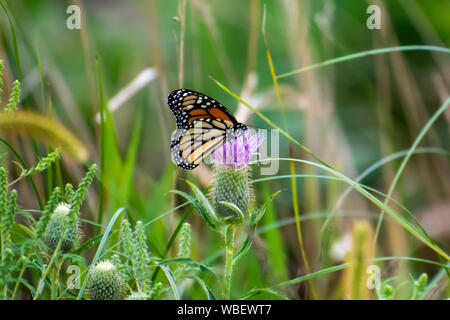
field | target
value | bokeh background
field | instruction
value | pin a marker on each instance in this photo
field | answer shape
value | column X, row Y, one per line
column 350, row 114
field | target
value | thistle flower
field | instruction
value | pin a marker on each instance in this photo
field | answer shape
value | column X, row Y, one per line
column 62, row 225
column 238, row 151
column 232, row 175
column 105, row 282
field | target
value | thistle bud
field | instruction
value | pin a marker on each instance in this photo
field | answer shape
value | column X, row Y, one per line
column 105, row 282
column 62, row 226
column 232, row 173
column 387, row 293
column 231, row 186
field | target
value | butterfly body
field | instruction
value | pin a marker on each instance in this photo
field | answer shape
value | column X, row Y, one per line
column 203, row 125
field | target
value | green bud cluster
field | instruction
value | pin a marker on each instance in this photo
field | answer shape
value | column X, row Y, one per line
column 50, row 206
column 43, row 163
column 15, row 97
column 8, row 209
column 136, row 248
column 62, row 226
column 79, row 195
column 184, row 247
column 386, row 293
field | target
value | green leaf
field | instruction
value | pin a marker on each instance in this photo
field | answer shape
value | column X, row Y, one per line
column 169, row 276
column 235, row 208
column 258, row 291
column 188, row 261
column 201, row 210
column 99, row 249
column 258, row 214
column 89, row 243
column 204, row 202
column 207, row 290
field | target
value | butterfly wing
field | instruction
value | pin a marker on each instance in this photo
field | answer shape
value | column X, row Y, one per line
column 188, row 105
column 190, row 146
column 203, row 125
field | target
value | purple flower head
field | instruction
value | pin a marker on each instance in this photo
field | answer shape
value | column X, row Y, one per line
column 238, row 151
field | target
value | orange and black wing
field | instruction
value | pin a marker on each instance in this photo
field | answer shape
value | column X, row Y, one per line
column 188, row 105
column 203, row 125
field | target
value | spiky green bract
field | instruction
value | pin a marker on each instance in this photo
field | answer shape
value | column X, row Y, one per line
column 47, row 212
column 7, row 223
column 15, row 97
column 7, row 220
column 136, row 248
column 105, row 282
column 62, row 226
column 43, row 163
column 68, row 192
column 184, row 251
column 231, row 186
column 142, row 258
column 80, row 194
column 7, row 265
column 127, row 238
column 184, row 247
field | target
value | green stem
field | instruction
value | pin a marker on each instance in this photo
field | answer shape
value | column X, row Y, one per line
column 17, row 283
column 55, row 280
column 229, row 245
column 5, row 292
column 47, row 270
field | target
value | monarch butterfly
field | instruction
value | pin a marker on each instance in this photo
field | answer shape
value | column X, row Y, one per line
column 203, row 125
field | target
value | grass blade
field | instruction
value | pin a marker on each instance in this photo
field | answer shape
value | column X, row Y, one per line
column 364, row 54
column 99, row 249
